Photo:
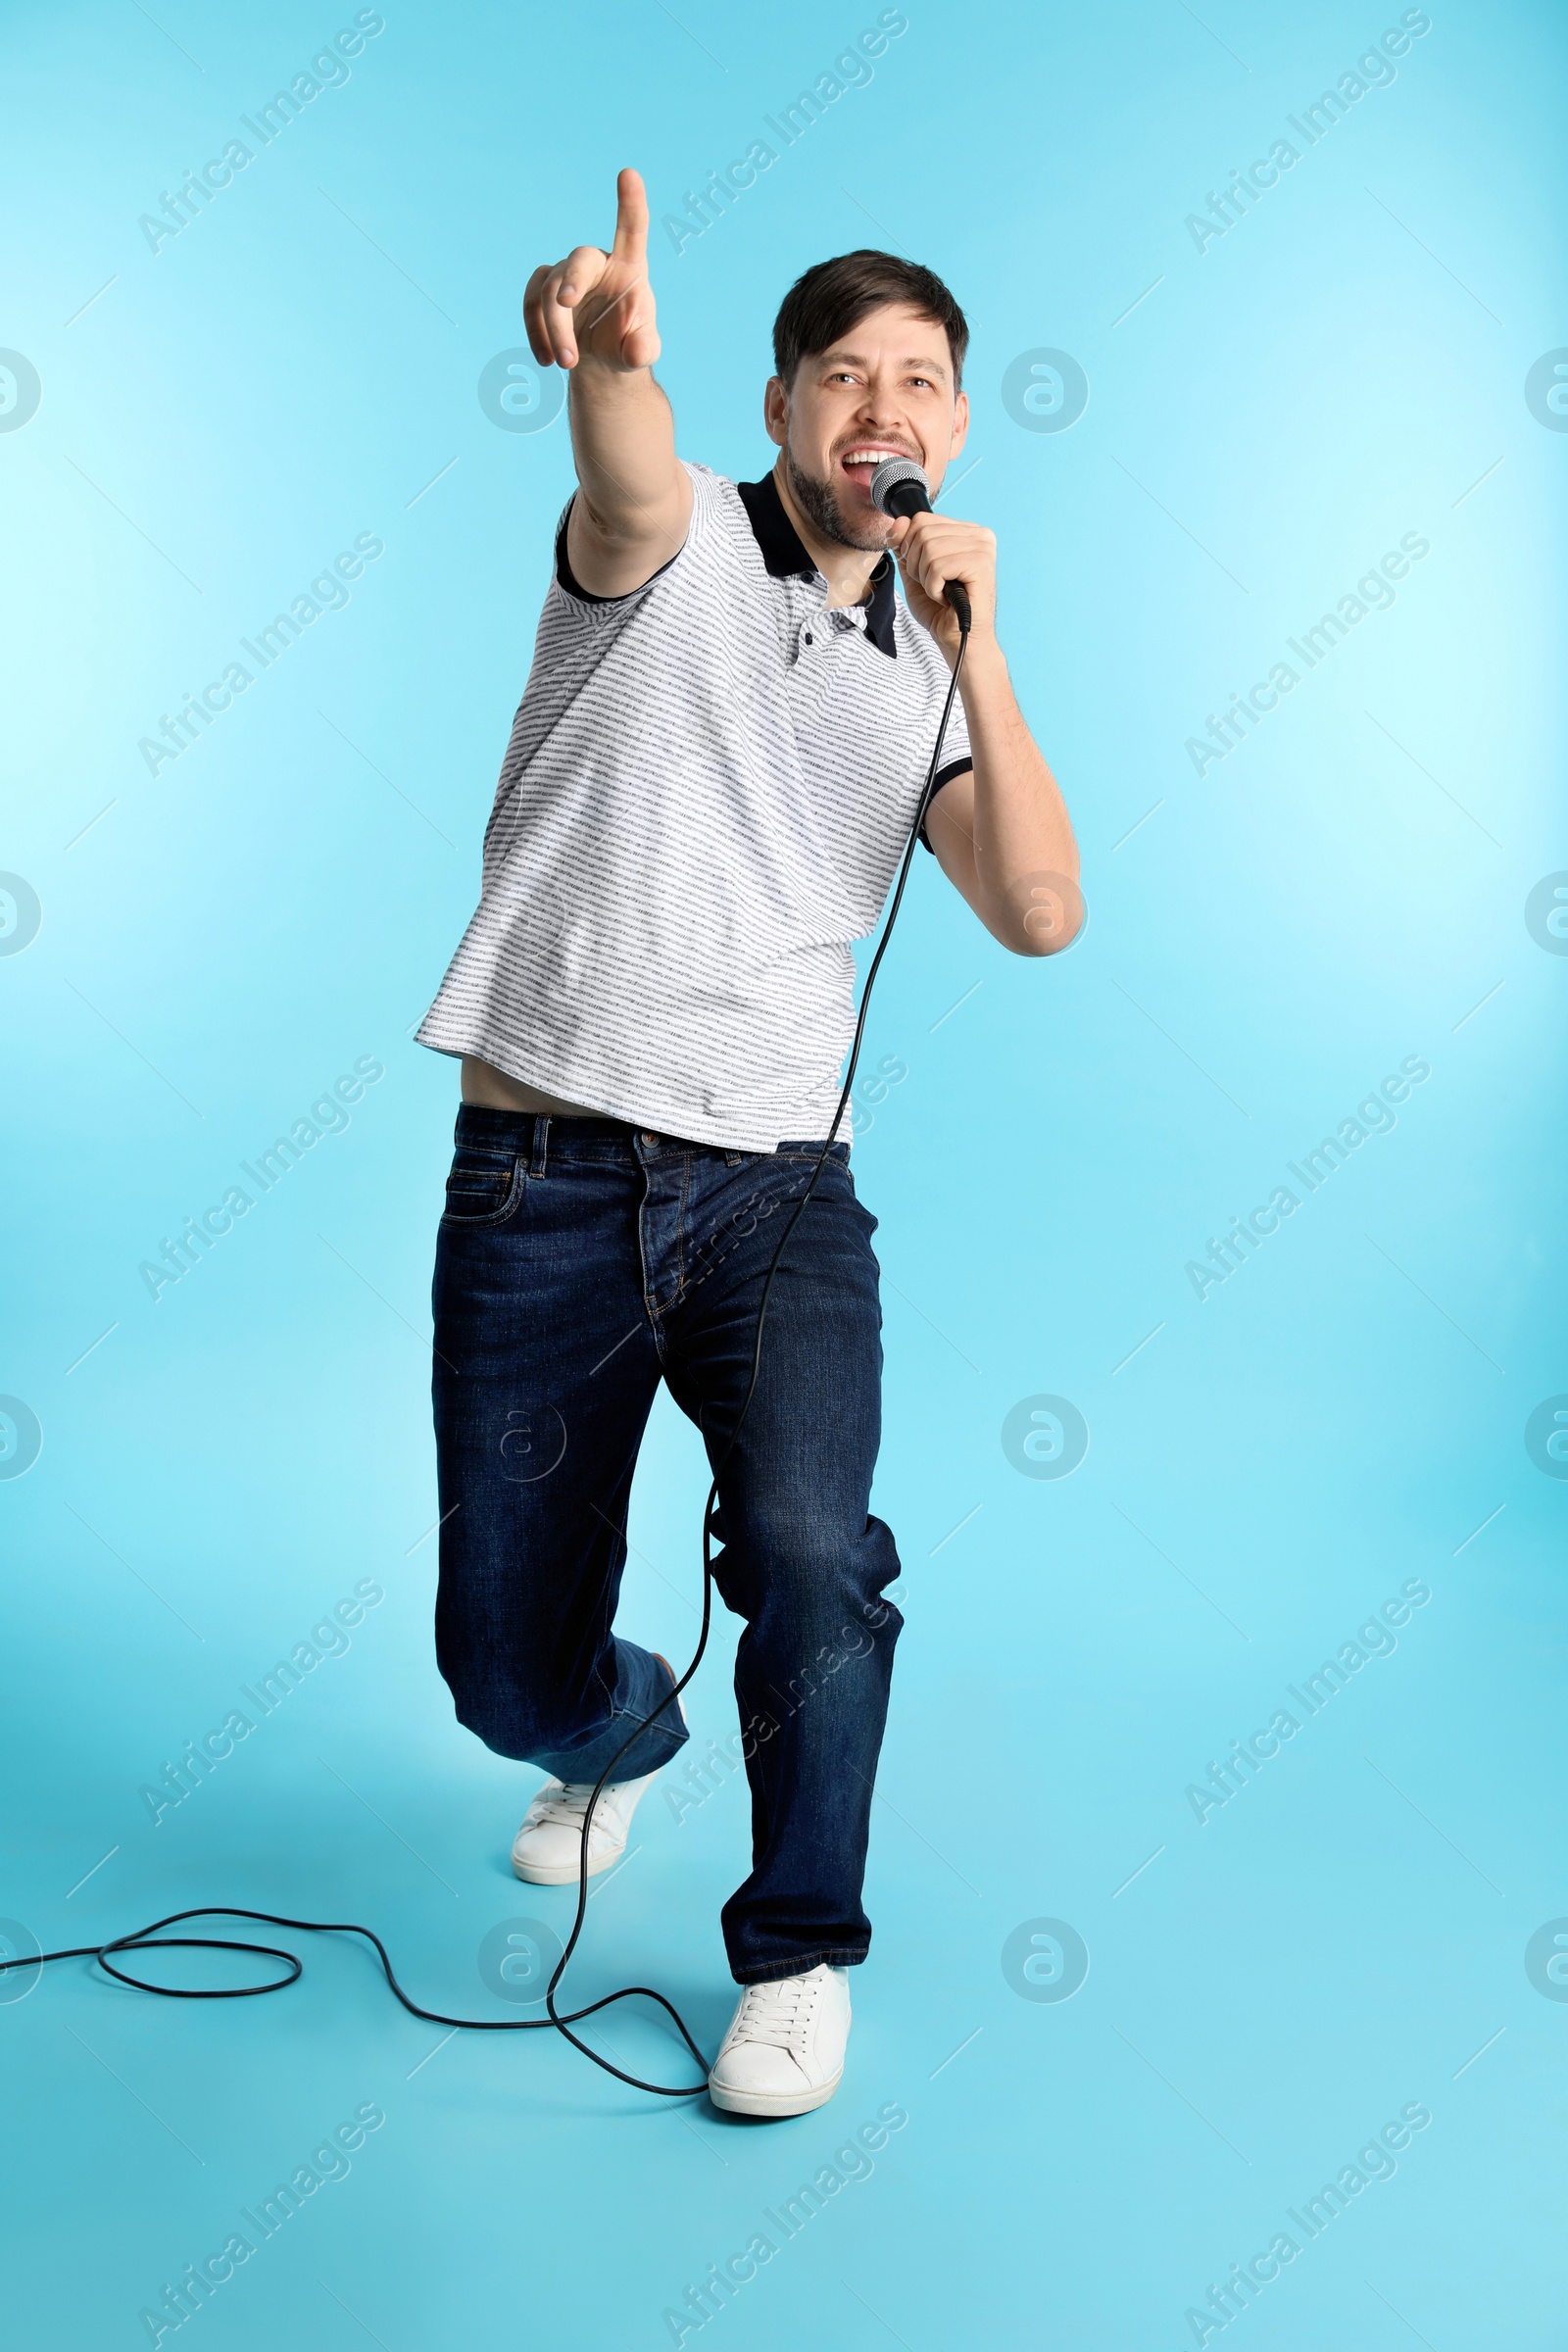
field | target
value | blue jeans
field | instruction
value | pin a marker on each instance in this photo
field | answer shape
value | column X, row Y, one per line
column 579, row 1261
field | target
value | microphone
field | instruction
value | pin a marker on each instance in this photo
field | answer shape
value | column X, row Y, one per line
column 900, row 488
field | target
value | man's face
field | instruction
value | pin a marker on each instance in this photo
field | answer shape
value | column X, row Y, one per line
column 885, row 391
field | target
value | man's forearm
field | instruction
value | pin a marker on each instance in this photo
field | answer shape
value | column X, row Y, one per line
column 1003, row 835
column 623, row 445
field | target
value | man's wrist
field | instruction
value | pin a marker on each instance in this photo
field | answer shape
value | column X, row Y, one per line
column 603, row 387
column 592, row 363
column 985, row 664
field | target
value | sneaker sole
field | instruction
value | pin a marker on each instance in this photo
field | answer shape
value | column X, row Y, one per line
column 772, row 2103
column 547, row 1874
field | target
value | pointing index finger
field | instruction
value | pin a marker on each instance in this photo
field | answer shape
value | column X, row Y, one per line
column 631, row 219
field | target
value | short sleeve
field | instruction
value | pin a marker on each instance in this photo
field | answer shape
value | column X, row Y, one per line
column 700, row 478
column 957, row 757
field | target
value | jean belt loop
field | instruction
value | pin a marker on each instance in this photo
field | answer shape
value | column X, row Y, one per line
column 541, row 1143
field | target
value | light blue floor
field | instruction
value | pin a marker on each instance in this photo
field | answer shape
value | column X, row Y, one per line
column 1362, row 1936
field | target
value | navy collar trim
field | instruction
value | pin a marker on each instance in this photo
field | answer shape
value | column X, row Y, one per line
column 784, row 553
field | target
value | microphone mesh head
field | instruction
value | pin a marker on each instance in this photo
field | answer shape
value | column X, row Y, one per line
column 889, row 473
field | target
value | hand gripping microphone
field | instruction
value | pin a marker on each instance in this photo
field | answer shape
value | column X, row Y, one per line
column 900, row 487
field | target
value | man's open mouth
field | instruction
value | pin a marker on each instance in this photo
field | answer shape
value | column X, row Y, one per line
column 861, row 461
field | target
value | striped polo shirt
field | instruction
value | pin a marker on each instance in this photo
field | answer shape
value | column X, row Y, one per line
column 706, row 793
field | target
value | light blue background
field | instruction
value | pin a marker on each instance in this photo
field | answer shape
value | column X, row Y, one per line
column 1345, row 890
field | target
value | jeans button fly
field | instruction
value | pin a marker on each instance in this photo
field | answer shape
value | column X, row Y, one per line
column 649, row 1136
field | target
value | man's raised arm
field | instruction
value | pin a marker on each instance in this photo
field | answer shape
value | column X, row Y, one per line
column 594, row 313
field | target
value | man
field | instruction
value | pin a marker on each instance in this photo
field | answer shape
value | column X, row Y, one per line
column 709, row 783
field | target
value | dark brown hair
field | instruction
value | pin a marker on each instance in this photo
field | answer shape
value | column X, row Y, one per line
column 831, row 298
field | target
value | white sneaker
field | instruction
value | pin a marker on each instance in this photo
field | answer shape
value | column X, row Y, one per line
column 546, row 1850
column 784, row 2051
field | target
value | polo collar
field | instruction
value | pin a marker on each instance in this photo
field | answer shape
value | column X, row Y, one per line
column 784, row 553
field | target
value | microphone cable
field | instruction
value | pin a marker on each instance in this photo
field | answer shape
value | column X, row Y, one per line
column 150, row 1937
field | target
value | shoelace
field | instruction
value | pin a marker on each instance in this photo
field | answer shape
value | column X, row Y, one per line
column 776, row 2013
column 567, row 1810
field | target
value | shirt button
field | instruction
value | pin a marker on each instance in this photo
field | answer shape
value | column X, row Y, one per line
column 808, row 636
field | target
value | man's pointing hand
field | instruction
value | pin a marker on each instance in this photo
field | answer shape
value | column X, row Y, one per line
column 596, row 305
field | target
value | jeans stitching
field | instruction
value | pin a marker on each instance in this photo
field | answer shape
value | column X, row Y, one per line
column 799, row 1157
column 496, row 1216
column 772, row 1972
column 680, row 1228
column 665, row 1727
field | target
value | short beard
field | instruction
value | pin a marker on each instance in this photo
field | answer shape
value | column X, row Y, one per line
column 817, row 504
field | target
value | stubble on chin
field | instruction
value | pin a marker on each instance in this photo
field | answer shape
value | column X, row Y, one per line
column 819, row 506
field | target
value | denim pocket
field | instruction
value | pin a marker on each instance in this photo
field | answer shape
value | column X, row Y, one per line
column 483, row 1188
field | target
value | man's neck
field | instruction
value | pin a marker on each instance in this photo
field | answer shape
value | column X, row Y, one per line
column 847, row 570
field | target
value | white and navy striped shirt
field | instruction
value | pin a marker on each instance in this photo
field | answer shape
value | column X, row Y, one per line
column 707, row 790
